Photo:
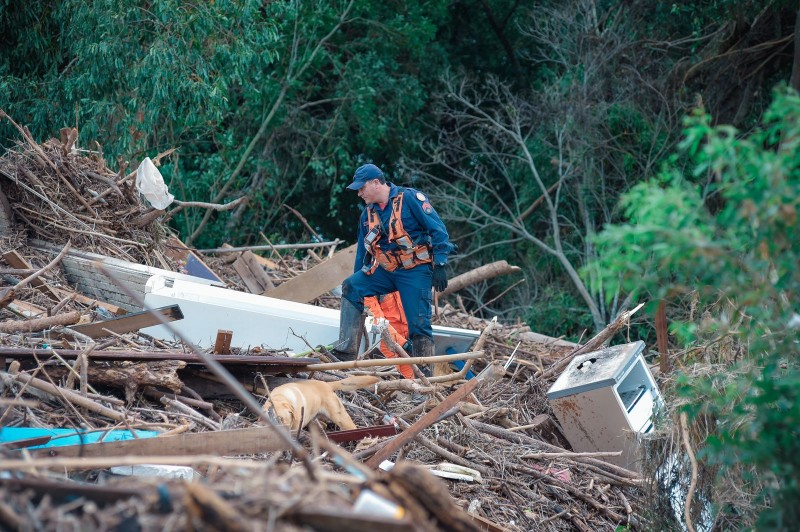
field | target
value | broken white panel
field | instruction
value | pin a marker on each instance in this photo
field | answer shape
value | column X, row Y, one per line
column 80, row 269
column 444, row 470
column 152, row 470
column 605, row 399
column 257, row 320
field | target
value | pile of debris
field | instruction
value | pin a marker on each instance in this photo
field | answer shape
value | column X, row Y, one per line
column 106, row 426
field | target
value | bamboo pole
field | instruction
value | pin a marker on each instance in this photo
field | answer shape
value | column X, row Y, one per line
column 393, row 362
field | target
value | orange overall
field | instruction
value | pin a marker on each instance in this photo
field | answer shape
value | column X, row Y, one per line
column 391, row 309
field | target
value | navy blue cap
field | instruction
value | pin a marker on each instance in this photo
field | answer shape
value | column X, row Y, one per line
column 365, row 173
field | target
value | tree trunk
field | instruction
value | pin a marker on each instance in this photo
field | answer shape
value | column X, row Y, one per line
column 130, row 376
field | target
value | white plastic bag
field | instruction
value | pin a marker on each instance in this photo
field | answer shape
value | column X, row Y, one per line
column 151, row 185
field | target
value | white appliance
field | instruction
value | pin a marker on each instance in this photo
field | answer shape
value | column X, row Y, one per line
column 605, row 399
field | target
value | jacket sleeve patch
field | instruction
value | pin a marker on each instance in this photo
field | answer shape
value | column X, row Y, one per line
column 420, row 196
column 427, row 208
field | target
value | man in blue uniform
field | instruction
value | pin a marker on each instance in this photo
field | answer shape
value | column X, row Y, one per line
column 403, row 246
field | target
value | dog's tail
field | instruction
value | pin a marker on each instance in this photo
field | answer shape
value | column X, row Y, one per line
column 351, row 384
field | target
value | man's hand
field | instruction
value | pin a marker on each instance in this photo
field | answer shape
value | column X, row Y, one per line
column 439, row 278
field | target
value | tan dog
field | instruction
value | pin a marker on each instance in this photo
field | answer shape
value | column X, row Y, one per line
column 296, row 404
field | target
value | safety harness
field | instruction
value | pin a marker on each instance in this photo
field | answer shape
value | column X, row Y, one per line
column 408, row 256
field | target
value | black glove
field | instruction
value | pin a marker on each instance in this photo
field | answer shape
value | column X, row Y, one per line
column 439, row 278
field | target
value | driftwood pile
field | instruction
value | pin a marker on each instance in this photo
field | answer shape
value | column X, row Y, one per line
column 59, row 193
column 499, row 426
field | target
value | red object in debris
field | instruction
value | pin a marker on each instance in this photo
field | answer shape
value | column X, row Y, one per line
column 343, row 436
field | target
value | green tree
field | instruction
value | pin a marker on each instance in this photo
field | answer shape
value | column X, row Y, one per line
column 721, row 222
column 279, row 101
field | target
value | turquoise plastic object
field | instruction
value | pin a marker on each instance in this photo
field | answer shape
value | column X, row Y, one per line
column 63, row 437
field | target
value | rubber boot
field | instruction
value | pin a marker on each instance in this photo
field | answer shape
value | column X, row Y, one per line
column 350, row 324
column 423, row 347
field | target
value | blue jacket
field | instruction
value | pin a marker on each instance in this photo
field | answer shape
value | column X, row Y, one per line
column 419, row 219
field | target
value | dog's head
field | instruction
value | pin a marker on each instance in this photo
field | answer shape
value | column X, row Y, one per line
column 280, row 413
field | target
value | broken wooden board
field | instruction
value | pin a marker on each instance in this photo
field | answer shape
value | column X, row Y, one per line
column 265, row 262
column 320, row 279
column 222, row 346
column 377, row 431
column 189, row 262
column 23, row 309
column 219, row 443
column 129, row 322
column 15, row 260
column 252, row 274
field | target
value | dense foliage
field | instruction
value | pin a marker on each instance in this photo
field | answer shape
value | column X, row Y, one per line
column 724, row 227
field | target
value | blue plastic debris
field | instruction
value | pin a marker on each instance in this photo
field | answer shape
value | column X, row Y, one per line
column 63, row 437
column 459, row 364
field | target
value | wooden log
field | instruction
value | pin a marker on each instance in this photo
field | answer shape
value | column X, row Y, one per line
column 130, row 376
column 147, row 218
column 207, row 510
column 269, row 247
column 482, row 273
column 40, row 324
column 273, row 364
column 63, row 393
column 371, row 363
column 593, row 344
column 490, row 374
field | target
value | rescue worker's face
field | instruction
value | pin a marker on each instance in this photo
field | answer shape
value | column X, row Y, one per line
column 370, row 192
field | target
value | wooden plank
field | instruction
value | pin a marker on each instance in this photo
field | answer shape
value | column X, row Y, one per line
column 25, row 309
column 255, row 278
column 377, row 431
column 223, row 344
column 190, row 263
column 265, row 262
column 130, row 322
column 486, row 524
column 281, row 364
column 322, row 278
column 15, row 260
column 221, row 443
